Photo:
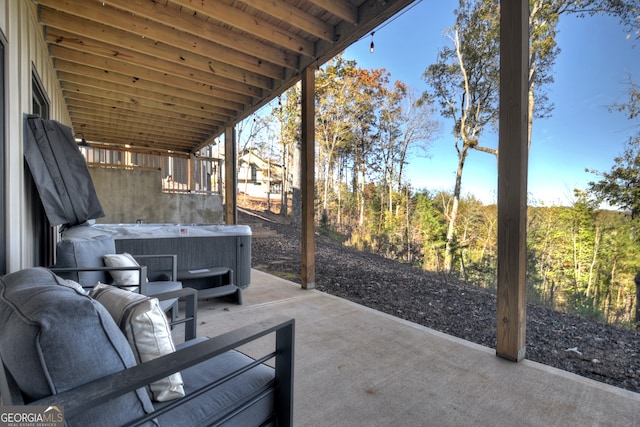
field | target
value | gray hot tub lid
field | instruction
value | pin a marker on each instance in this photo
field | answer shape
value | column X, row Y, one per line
column 60, row 172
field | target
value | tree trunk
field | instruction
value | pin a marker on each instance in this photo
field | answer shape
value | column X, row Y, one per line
column 284, row 202
column 340, row 174
column 325, row 196
column 596, row 248
column 361, row 199
column 296, row 185
column 409, row 234
column 268, row 185
column 576, row 263
column 453, row 216
column 637, row 319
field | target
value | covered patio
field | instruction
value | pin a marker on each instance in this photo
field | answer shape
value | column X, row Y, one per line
column 172, row 76
column 355, row 366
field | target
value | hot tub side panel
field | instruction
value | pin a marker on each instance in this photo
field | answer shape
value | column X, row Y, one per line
column 198, row 252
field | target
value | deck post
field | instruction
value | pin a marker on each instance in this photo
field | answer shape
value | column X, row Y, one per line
column 230, row 177
column 191, row 172
column 512, row 179
column 308, row 178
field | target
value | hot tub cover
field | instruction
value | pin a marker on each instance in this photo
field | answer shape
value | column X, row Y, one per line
column 60, row 172
column 153, row 231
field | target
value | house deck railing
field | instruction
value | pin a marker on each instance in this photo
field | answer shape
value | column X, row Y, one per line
column 204, row 172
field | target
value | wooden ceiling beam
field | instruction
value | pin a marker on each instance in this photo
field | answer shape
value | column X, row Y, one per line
column 90, row 112
column 132, row 145
column 79, row 38
column 136, row 131
column 116, row 147
column 151, row 60
column 93, row 105
column 96, row 145
column 93, row 132
column 140, row 72
column 75, row 91
column 78, row 100
column 76, row 72
column 189, row 32
column 112, row 136
column 99, row 130
column 295, row 17
column 147, row 64
column 342, row 9
column 127, row 14
column 128, row 141
column 263, row 30
column 80, row 116
column 192, row 67
column 182, row 143
column 137, row 93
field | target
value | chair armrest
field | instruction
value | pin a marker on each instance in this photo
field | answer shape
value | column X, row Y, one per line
column 89, row 395
column 190, row 320
column 172, row 257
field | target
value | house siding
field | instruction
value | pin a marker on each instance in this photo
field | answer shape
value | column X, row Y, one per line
column 26, row 53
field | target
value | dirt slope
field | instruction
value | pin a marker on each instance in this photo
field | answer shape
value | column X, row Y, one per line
column 595, row 350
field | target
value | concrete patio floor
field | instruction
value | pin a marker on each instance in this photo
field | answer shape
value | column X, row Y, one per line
column 355, row 366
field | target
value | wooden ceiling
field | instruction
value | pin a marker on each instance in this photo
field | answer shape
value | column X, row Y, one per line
column 170, row 75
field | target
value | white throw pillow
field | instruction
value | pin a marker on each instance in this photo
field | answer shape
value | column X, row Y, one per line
column 123, row 277
column 144, row 323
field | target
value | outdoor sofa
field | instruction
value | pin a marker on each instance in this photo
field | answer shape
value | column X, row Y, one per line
column 61, row 347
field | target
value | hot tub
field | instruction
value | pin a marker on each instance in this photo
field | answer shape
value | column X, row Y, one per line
column 197, row 246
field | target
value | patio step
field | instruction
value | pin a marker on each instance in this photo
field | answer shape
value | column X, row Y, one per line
column 221, row 291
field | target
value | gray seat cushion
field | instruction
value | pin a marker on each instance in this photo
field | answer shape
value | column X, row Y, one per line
column 224, row 399
column 53, row 338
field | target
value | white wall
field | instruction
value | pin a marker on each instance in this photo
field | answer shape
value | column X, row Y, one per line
column 26, row 52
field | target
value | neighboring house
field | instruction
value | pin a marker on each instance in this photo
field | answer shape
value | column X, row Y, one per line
column 258, row 177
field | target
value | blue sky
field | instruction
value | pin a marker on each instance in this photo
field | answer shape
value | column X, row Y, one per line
column 590, row 74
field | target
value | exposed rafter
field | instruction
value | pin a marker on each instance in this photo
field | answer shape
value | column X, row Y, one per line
column 172, row 75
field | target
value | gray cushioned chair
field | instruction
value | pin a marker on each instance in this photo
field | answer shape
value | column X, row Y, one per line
column 58, row 346
column 81, row 260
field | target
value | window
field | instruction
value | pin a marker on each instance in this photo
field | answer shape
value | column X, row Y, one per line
column 40, row 232
column 40, row 101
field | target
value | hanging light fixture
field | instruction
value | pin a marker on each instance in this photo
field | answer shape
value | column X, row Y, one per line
column 371, row 46
column 83, row 142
